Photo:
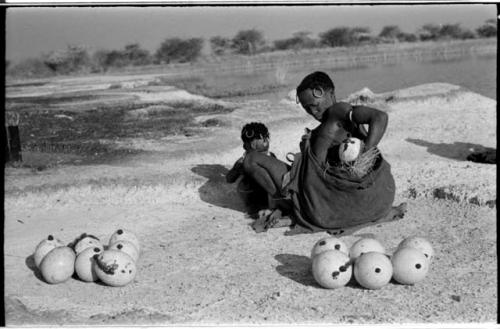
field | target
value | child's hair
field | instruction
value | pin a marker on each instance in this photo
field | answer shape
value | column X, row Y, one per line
column 254, row 130
column 315, row 80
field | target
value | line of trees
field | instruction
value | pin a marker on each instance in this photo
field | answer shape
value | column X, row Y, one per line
column 77, row 59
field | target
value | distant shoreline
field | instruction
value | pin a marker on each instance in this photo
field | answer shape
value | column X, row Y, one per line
column 338, row 58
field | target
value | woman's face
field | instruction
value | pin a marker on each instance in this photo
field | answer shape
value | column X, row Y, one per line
column 316, row 101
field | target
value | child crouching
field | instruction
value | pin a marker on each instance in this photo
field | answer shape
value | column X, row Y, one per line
column 259, row 202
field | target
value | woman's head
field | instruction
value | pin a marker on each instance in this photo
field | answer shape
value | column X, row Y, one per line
column 255, row 136
column 316, row 93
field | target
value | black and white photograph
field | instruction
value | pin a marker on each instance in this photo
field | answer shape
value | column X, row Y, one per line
column 250, row 164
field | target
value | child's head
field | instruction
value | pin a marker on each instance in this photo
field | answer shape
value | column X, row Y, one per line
column 255, row 136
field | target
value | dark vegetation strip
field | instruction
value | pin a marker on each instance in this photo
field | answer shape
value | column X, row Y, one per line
column 198, row 85
column 62, row 131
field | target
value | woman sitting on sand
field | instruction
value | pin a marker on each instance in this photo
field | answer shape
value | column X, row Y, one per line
column 322, row 199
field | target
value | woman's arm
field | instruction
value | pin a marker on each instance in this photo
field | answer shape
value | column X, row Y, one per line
column 377, row 121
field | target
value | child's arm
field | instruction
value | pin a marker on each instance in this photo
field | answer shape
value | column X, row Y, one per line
column 235, row 172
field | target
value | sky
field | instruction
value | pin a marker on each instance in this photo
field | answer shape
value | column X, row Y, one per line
column 31, row 31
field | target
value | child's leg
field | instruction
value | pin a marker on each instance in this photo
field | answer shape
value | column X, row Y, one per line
column 266, row 171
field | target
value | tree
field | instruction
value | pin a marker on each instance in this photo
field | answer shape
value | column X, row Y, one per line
column 454, row 31
column 467, row 34
column 406, row 37
column 283, row 44
column 113, row 58
column 300, row 40
column 345, row 36
column 99, row 60
column 134, row 55
column 488, row 29
column 360, row 34
column 220, row 45
column 73, row 59
column 248, row 41
column 30, row 67
column 390, row 32
column 179, row 50
column 429, row 32
column 336, row 37
column 131, row 54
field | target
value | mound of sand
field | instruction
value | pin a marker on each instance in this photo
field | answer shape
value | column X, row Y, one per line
column 197, row 238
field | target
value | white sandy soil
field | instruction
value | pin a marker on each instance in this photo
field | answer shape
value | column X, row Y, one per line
column 201, row 263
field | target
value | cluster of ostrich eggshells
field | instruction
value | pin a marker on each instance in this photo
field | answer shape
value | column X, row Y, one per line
column 89, row 259
column 334, row 264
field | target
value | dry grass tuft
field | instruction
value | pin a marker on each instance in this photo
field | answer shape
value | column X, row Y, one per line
column 360, row 167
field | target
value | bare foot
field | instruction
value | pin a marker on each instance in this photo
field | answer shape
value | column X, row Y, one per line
column 270, row 219
column 264, row 212
column 297, row 229
column 276, row 219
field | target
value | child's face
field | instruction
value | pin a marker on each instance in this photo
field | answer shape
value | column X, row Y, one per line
column 260, row 145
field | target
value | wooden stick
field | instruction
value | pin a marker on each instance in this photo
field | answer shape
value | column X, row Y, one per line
column 11, row 118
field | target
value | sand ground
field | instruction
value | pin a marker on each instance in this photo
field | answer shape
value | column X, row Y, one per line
column 201, row 263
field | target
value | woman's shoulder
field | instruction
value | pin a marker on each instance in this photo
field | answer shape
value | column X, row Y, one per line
column 339, row 110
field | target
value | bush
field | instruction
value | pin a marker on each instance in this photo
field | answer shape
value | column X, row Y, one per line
column 454, row 31
column 105, row 59
column 434, row 32
column 29, row 68
column 345, row 36
column 467, row 34
column 131, row 54
column 248, row 42
column 360, row 34
column 407, row 37
column 179, row 50
column 100, row 61
column 73, row 59
column 488, row 30
column 220, row 45
column 336, row 37
column 390, row 32
column 450, row 31
column 429, row 32
column 134, row 55
column 300, row 40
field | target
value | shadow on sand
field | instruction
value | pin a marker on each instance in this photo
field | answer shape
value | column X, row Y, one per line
column 296, row 268
column 299, row 269
column 456, row 151
column 30, row 263
column 216, row 190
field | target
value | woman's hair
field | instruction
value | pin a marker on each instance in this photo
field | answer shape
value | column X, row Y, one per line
column 254, row 130
column 316, row 80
